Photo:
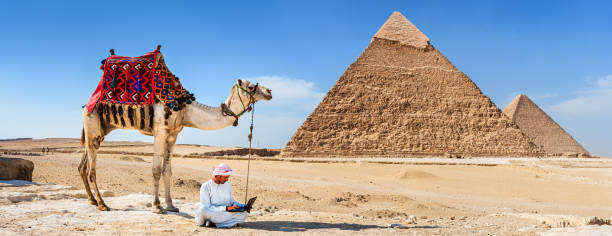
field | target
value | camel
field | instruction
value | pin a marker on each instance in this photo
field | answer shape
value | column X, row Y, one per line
column 164, row 129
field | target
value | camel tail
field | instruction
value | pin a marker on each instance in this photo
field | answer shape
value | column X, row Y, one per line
column 82, row 137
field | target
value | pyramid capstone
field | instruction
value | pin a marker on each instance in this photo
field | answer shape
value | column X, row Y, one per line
column 399, row 29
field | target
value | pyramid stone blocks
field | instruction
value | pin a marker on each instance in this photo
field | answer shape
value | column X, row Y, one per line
column 536, row 124
column 403, row 98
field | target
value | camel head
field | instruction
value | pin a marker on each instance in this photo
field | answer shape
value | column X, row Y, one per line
column 257, row 91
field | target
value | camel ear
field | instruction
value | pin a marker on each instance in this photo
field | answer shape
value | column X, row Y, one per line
column 240, row 82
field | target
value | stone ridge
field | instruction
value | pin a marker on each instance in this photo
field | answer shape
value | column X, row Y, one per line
column 544, row 131
column 398, row 28
column 402, row 101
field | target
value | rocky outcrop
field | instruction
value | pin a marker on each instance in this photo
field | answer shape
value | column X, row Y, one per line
column 262, row 152
column 16, row 168
column 403, row 98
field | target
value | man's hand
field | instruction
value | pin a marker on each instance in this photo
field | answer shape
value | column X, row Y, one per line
column 231, row 208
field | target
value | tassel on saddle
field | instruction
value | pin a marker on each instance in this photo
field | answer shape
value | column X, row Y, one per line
column 114, row 111
column 142, row 118
column 107, row 112
column 130, row 112
column 151, row 114
column 121, row 115
column 103, row 125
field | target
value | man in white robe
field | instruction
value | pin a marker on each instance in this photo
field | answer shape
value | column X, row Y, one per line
column 216, row 201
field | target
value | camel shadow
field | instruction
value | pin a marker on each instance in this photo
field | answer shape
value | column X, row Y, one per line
column 291, row 226
column 182, row 214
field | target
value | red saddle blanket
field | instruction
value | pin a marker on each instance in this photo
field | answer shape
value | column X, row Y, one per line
column 142, row 80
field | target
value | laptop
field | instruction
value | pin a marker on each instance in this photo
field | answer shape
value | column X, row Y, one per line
column 246, row 207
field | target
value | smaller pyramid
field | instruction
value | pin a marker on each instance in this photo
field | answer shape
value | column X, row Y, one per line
column 544, row 131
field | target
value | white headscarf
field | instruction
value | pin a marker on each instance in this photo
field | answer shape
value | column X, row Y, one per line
column 222, row 169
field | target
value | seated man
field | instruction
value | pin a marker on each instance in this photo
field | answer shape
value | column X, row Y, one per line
column 217, row 201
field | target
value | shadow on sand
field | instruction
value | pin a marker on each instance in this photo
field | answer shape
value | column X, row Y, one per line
column 292, row 226
column 185, row 215
column 182, row 214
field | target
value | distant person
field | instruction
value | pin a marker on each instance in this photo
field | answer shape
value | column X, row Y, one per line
column 217, row 203
column 43, row 151
column 47, row 150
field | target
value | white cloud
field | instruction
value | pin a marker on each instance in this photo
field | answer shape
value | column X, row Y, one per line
column 596, row 101
column 605, row 81
column 288, row 89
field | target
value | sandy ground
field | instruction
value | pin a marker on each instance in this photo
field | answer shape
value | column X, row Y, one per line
column 424, row 196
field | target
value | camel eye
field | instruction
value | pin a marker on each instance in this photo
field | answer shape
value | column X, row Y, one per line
column 251, row 88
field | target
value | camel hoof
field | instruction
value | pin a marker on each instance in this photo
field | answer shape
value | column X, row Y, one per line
column 103, row 207
column 158, row 210
column 172, row 209
column 93, row 202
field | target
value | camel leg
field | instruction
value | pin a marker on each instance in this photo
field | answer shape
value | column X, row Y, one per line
column 167, row 171
column 83, row 173
column 161, row 148
column 92, row 154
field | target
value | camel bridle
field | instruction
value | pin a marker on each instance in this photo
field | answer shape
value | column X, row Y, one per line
column 225, row 110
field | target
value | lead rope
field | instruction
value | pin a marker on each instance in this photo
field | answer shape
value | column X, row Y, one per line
column 249, row 161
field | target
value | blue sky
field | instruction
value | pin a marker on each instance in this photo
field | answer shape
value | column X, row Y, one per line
column 556, row 52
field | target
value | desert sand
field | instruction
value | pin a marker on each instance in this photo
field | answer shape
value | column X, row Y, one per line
column 419, row 196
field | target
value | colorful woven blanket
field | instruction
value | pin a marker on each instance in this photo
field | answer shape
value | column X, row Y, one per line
column 139, row 81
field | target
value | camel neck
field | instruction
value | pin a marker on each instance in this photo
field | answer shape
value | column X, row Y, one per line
column 205, row 117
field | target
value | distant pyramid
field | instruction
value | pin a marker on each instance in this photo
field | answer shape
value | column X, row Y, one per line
column 545, row 132
column 404, row 98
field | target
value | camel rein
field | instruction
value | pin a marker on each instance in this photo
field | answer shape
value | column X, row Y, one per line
column 225, row 110
column 246, row 189
column 251, row 108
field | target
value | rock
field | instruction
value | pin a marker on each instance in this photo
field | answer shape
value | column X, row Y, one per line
column 597, row 221
column 564, row 224
column 107, row 193
column 453, row 155
column 190, row 183
column 452, row 218
column 411, row 219
column 423, row 217
column 148, row 204
column 584, row 155
column 16, row 168
column 179, row 182
column 463, row 218
column 569, row 154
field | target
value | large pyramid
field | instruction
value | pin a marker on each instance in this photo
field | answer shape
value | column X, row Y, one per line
column 403, row 98
column 544, row 131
